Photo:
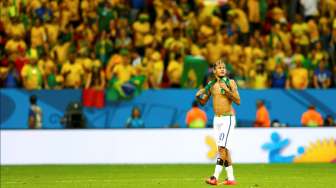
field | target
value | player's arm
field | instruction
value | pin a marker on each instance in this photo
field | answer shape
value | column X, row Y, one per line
column 231, row 93
column 202, row 95
column 200, row 92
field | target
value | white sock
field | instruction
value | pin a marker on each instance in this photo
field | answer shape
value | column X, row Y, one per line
column 218, row 170
column 229, row 172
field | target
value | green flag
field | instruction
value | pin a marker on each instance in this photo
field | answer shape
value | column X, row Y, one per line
column 194, row 71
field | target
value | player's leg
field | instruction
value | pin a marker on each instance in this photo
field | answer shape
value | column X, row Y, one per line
column 220, row 161
column 213, row 180
column 229, row 168
column 228, row 161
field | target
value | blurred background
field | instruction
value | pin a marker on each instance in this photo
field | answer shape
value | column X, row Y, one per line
column 124, row 67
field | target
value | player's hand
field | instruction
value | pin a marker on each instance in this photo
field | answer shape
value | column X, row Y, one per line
column 200, row 92
column 224, row 86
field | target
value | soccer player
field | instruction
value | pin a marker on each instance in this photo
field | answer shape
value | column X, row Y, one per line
column 224, row 92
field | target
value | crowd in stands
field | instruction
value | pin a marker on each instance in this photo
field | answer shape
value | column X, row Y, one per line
column 55, row 44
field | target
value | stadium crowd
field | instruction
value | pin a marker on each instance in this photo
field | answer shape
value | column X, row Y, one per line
column 55, row 44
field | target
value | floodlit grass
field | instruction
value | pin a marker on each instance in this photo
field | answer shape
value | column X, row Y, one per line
column 184, row 176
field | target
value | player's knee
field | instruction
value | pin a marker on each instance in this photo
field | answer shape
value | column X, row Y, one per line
column 220, row 161
column 222, row 153
column 221, row 149
column 226, row 163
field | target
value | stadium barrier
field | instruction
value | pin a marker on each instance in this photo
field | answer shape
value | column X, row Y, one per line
column 160, row 108
column 150, row 146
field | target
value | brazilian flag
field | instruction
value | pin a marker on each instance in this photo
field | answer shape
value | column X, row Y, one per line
column 194, row 70
column 117, row 91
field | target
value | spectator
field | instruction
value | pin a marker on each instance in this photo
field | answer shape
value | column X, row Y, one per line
column 10, row 77
column 196, row 117
column 93, row 94
column 14, row 45
column 278, row 77
column 16, row 28
column 122, row 73
column 174, row 71
column 214, row 48
column 96, row 78
column 240, row 19
column 35, row 114
column 52, row 31
column 20, row 61
column 135, row 121
column 298, row 76
column 311, row 118
column 72, row 73
column 240, row 78
column 4, row 66
column 254, row 14
column 114, row 61
column 32, row 75
column 299, row 30
column 123, row 41
column 43, row 13
column 105, row 14
column 141, row 28
column 38, row 35
column 317, row 55
column 50, row 71
column 186, row 27
column 329, row 121
column 322, row 76
column 262, row 115
column 104, row 48
column 60, row 51
column 156, row 67
column 259, row 76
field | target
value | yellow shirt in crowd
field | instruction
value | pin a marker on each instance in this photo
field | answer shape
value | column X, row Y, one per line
column 16, row 30
column 299, row 78
column 32, row 76
column 174, row 71
column 38, row 36
column 253, row 11
column 60, row 52
column 299, row 28
column 123, row 72
column 75, row 72
column 34, row 4
column 241, row 20
column 46, row 65
column 259, row 81
column 141, row 29
column 13, row 46
column 52, row 31
column 214, row 52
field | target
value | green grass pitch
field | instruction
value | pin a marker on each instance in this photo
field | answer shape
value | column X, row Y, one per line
column 184, row 176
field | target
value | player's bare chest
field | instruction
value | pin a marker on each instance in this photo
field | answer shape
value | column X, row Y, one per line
column 216, row 89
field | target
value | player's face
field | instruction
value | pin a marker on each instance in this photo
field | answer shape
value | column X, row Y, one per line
column 220, row 70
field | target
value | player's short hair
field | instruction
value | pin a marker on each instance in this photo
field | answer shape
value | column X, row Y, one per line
column 218, row 62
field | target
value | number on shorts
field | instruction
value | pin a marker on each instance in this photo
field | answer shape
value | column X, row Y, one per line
column 221, row 136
